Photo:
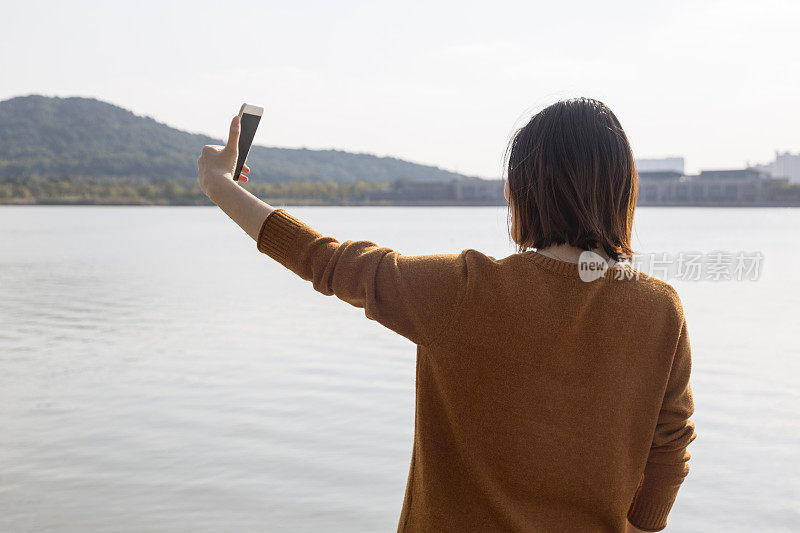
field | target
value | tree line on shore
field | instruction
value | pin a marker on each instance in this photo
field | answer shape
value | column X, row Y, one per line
column 181, row 191
column 782, row 192
column 186, row 191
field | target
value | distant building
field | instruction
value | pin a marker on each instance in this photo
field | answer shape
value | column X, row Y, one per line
column 466, row 191
column 730, row 186
column 736, row 187
column 787, row 165
column 480, row 190
column 664, row 164
column 710, row 187
column 659, row 187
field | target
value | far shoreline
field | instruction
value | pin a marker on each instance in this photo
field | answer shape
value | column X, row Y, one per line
column 383, row 203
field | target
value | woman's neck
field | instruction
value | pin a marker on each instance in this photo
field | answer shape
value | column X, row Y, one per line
column 570, row 254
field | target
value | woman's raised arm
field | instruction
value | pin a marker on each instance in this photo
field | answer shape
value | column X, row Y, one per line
column 415, row 296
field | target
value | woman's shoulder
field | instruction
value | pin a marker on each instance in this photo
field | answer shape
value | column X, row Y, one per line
column 623, row 276
column 653, row 289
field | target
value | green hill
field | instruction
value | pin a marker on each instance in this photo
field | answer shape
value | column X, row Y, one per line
column 85, row 138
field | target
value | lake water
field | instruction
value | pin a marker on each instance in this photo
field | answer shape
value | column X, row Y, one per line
column 159, row 374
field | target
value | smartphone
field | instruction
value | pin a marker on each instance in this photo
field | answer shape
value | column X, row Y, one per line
column 250, row 116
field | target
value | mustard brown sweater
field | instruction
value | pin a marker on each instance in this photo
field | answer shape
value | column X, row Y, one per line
column 543, row 402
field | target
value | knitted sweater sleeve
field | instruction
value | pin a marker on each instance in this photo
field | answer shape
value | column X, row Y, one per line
column 668, row 461
column 415, row 296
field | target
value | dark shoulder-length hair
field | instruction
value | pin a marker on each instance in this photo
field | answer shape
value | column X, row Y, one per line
column 572, row 179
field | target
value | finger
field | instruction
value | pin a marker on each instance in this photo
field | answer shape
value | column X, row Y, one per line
column 233, row 136
column 245, row 169
column 243, row 178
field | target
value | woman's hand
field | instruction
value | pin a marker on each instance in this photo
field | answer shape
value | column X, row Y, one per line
column 215, row 169
column 217, row 164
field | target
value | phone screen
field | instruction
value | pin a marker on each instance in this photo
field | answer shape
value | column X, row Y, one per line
column 249, row 123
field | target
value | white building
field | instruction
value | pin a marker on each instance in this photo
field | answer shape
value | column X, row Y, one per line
column 787, row 165
column 664, row 164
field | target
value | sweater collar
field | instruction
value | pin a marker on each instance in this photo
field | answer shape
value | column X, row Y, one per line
column 558, row 266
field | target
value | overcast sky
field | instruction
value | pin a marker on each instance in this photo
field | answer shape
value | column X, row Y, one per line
column 443, row 83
